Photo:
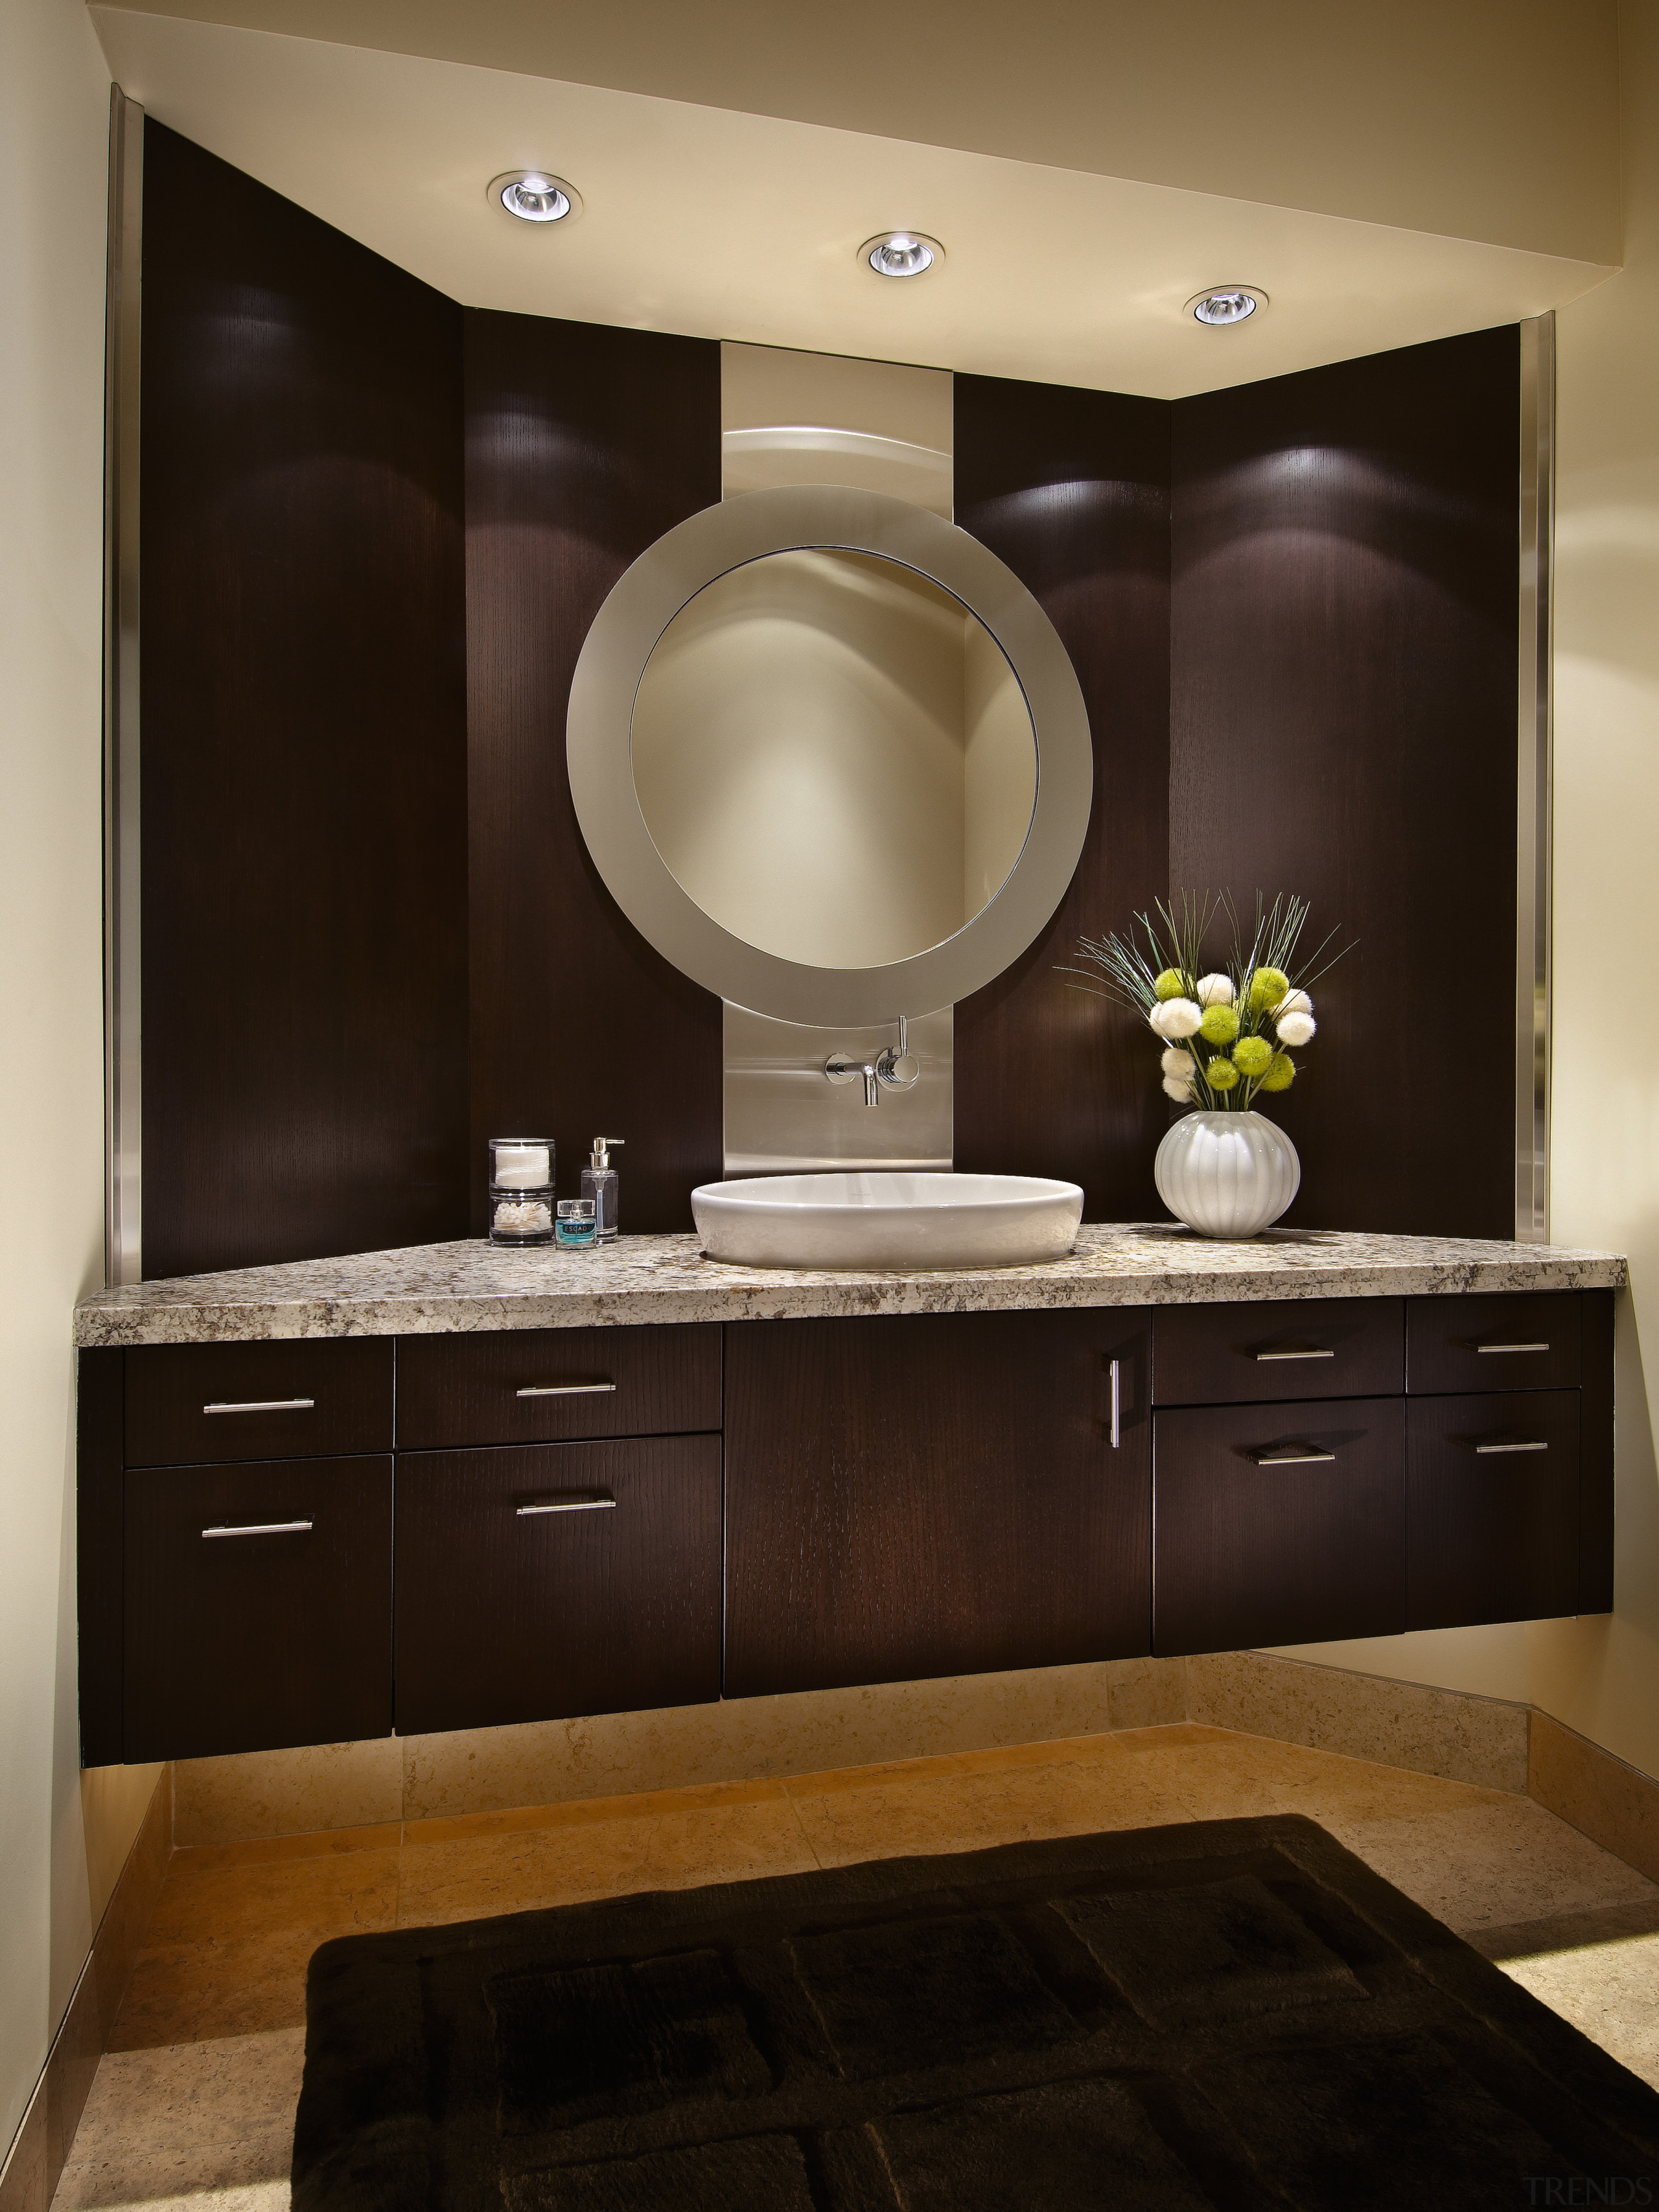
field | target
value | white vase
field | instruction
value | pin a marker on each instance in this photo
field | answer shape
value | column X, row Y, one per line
column 1226, row 1175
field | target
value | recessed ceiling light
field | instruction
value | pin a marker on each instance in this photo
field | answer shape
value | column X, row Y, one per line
column 1225, row 304
column 536, row 196
column 901, row 254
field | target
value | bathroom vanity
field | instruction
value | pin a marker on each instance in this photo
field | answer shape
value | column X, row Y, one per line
column 455, row 1487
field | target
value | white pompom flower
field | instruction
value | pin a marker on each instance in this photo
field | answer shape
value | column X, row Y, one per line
column 1178, row 1017
column 1295, row 1029
column 1177, row 1090
column 1180, row 1067
column 1293, row 1002
column 1215, row 991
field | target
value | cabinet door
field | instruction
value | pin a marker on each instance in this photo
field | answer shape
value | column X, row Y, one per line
column 259, row 1605
column 1280, row 1524
column 935, row 1495
column 1492, row 1508
column 539, row 1581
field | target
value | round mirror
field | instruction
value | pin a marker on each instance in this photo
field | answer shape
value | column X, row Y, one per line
column 829, row 755
column 833, row 758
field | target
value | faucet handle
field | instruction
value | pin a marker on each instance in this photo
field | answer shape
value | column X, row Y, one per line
column 899, row 1066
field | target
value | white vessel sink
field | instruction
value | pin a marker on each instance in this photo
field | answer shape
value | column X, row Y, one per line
column 887, row 1218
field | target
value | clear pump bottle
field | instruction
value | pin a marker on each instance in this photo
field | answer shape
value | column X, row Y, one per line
column 600, row 1184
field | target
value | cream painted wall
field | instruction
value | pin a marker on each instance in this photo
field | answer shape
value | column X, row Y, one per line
column 1599, row 1676
column 62, row 1836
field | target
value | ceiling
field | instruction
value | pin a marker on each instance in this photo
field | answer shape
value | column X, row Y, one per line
column 733, row 222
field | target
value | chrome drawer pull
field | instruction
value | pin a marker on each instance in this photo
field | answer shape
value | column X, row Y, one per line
column 1294, row 1455
column 563, row 1389
column 1117, row 1402
column 262, row 1405
column 602, row 1503
column 1313, row 1352
column 260, row 1529
column 1509, row 1448
column 1511, row 1347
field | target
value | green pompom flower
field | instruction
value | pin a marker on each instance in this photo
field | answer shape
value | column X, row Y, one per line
column 1221, row 1074
column 1281, row 1072
column 1220, row 1024
column 1170, row 985
column 1252, row 1055
column 1267, row 986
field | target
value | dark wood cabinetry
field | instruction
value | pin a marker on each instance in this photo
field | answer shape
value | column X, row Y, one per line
column 1280, row 1524
column 535, row 1582
column 259, row 1605
column 934, row 1496
column 890, row 1500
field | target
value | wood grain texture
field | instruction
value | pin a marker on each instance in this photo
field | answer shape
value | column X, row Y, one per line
column 454, row 1391
column 168, row 1386
column 1493, row 1536
column 583, row 445
column 507, row 1618
column 1343, row 713
column 1443, row 1338
column 1213, row 1355
column 304, row 780
column 935, row 1495
column 97, row 1564
column 1596, row 1447
column 253, row 1642
column 1070, row 489
column 1247, row 1554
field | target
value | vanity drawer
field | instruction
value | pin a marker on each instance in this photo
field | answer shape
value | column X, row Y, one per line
column 189, row 1404
column 1513, row 1340
column 1282, row 1524
column 259, row 1605
column 1230, row 1355
column 1491, row 1507
column 538, row 1582
column 543, row 1385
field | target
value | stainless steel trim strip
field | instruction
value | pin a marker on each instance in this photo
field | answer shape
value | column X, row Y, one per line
column 1511, row 1448
column 1511, row 1347
column 569, row 1505
column 123, row 1005
column 1311, row 1353
column 563, row 1389
column 260, row 1529
column 1535, row 825
column 259, row 1406
column 1290, row 1458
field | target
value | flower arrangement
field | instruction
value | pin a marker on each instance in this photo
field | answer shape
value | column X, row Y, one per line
column 1228, row 1033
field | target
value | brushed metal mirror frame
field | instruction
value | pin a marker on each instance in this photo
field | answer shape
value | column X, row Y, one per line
column 599, row 738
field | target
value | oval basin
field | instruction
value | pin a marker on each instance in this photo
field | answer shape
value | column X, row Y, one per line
column 887, row 1218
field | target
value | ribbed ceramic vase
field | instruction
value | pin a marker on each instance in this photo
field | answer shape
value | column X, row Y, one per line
column 1226, row 1175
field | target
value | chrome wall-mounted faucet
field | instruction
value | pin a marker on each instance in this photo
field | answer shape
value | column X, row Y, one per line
column 897, row 1066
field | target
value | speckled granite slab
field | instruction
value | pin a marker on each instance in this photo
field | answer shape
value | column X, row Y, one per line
column 439, row 1289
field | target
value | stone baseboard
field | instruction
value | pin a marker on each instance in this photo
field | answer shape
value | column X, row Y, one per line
column 1614, row 1804
column 36, row 2163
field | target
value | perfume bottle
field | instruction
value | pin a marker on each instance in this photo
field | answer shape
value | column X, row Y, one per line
column 599, row 1183
column 521, row 1190
column 576, row 1225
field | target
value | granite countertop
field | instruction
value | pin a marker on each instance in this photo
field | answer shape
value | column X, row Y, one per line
column 441, row 1289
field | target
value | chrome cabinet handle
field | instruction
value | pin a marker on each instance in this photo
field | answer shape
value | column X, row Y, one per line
column 1509, row 1448
column 563, row 1389
column 1291, row 1456
column 1117, row 1402
column 1511, row 1347
column 259, row 1528
column 1313, row 1352
column 602, row 1502
column 262, row 1405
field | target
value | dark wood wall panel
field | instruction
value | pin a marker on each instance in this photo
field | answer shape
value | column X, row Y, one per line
column 1343, row 652
column 1071, row 490
column 583, row 445
column 304, row 782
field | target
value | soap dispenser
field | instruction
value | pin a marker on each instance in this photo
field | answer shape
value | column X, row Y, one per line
column 599, row 1183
